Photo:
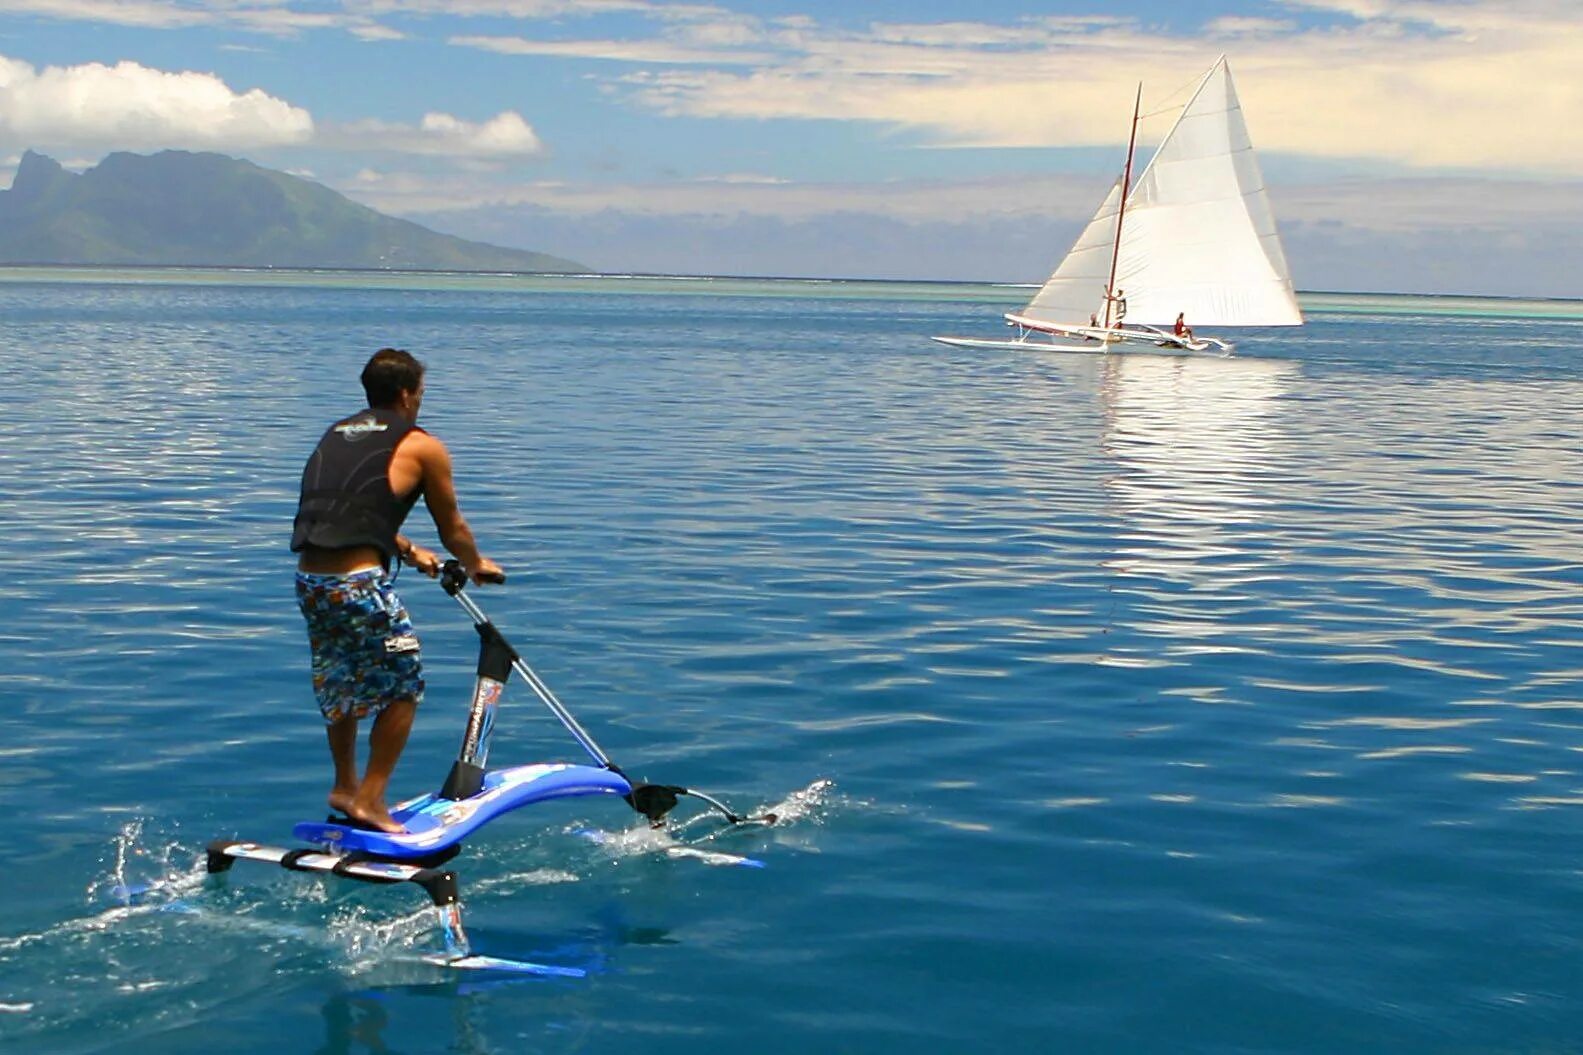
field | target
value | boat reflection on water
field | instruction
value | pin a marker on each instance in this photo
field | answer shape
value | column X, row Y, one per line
column 1197, row 448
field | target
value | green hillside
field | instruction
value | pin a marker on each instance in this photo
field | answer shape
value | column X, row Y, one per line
column 180, row 208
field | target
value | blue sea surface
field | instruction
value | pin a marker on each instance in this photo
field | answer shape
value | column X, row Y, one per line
column 1113, row 704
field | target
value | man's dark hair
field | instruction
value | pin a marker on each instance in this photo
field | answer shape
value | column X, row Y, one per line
column 390, row 373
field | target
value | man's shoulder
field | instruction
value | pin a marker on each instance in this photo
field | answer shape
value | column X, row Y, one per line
column 422, row 443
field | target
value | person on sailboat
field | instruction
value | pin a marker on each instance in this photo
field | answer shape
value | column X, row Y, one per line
column 358, row 486
column 1181, row 330
column 1116, row 306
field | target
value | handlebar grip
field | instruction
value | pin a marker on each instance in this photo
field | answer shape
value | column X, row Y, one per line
column 453, row 577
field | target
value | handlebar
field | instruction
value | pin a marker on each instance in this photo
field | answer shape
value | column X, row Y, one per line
column 453, row 577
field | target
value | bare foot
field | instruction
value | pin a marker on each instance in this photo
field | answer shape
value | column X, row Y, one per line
column 375, row 816
column 341, row 801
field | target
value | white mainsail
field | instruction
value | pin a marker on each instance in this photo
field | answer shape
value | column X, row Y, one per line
column 1197, row 235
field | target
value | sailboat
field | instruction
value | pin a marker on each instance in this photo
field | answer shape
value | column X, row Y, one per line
column 1191, row 242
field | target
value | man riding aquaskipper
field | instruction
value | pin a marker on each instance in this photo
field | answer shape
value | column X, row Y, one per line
column 357, row 488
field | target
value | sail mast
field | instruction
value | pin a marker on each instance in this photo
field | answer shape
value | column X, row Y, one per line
column 1121, row 211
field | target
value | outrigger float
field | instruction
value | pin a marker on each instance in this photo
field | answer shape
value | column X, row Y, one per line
column 472, row 796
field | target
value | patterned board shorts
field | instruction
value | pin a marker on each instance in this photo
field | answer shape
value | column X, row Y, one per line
column 365, row 654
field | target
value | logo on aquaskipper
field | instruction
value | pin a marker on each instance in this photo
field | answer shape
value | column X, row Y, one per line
column 360, row 427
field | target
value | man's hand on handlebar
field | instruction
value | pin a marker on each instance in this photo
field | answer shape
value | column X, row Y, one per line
column 425, row 560
column 487, row 572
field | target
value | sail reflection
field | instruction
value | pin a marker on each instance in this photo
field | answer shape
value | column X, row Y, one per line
column 1198, row 449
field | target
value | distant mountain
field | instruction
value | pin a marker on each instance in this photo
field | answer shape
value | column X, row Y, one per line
column 181, row 208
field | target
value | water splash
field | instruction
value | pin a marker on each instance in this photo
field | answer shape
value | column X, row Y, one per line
column 140, row 880
column 801, row 806
column 144, row 870
column 362, row 941
column 805, row 805
column 517, row 880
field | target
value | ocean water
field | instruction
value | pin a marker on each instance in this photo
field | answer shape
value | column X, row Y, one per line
column 1113, row 704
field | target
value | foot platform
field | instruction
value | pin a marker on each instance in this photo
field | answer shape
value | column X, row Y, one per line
column 435, row 824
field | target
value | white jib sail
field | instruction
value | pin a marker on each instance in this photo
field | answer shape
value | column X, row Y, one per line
column 1077, row 289
column 1198, row 237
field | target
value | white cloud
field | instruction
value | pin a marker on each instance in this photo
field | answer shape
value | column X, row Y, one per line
column 288, row 16
column 134, row 107
column 374, row 31
column 527, row 10
column 504, row 136
column 157, row 14
column 744, row 177
column 270, row 17
column 1239, row 25
column 639, row 51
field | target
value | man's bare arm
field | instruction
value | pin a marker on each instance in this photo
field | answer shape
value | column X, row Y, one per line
column 439, row 494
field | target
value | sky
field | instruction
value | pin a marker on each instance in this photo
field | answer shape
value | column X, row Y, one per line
column 1408, row 145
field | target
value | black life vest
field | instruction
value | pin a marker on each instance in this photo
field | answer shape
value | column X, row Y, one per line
column 346, row 498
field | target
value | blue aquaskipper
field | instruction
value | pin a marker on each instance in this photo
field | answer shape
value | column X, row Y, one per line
column 472, row 795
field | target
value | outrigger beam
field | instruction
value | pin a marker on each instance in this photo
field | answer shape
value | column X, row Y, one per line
column 439, row 885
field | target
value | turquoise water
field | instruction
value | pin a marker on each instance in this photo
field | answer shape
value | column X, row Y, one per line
column 1217, row 705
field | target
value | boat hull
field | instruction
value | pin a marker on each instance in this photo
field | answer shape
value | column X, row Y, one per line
column 1085, row 348
column 1026, row 345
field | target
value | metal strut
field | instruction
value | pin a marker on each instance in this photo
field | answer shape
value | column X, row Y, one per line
column 496, row 656
column 453, row 579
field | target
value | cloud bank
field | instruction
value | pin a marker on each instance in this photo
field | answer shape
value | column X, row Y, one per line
column 1411, row 235
column 1479, row 84
column 1488, row 85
